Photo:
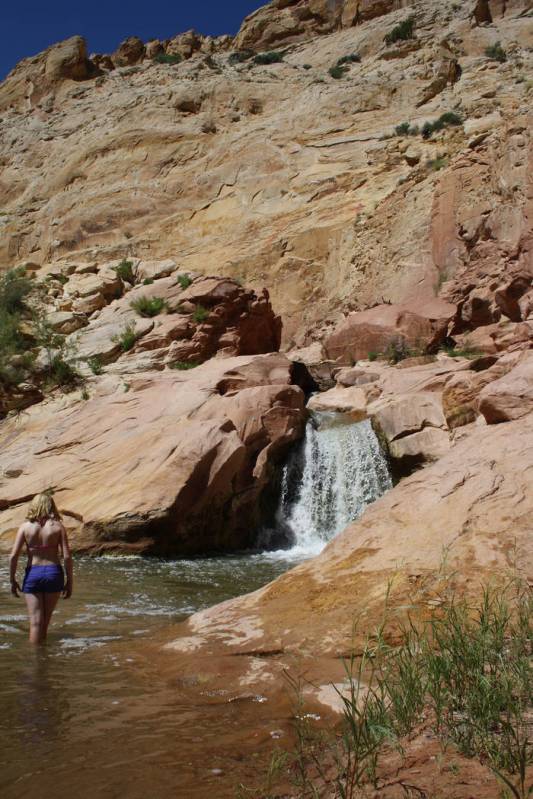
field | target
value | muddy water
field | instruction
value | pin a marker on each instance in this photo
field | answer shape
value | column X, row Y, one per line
column 87, row 717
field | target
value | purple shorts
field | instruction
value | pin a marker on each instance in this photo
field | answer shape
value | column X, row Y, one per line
column 43, row 580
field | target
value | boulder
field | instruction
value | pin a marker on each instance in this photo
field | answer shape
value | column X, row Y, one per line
column 412, row 428
column 68, row 59
column 131, row 51
column 152, row 270
column 66, row 321
column 352, row 401
column 170, row 465
column 510, row 397
column 421, row 326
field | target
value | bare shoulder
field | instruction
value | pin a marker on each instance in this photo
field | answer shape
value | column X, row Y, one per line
column 26, row 527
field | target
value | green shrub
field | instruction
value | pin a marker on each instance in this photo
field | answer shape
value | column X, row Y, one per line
column 398, row 350
column 184, row 281
column 372, row 356
column 337, row 71
column 167, row 58
column 125, row 271
column 401, row 32
column 14, row 290
column 402, row 130
column 449, row 118
column 437, row 163
column 496, row 52
column 61, row 372
column 149, row 306
column 466, row 351
column 268, row 58
column 126, row 338
column 15, row 361
column 466, row 674
column 200, row 314
column 184, row 365
column 239, row 56
column 307, row 66
column 148, row 281
column 352, row 58
column 95, row 365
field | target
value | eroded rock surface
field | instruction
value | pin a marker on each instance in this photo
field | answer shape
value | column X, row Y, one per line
column 463, row 520
column 167, row 462
column 229, row 164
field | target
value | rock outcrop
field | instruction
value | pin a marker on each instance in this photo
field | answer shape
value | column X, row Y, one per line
column 463, row 520
column 168, row 462
column 228, row 163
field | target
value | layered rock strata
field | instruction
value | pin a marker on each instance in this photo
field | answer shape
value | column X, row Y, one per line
column 314, row 186
column 162, row 462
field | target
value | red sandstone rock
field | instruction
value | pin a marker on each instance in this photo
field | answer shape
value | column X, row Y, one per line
column 510, row 397
column 418, row 325
column 173, row 464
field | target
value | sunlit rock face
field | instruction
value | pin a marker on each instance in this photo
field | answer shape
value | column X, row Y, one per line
column 280, row 174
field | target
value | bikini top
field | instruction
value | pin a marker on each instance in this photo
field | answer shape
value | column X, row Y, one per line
column 38, row 547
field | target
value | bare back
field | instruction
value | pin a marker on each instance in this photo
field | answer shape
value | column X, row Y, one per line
column 43, row 541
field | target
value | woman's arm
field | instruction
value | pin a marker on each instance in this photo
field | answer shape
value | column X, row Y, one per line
column 67, row 560
column 14, row 559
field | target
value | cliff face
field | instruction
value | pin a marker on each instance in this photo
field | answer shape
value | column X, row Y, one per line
column 281, row 174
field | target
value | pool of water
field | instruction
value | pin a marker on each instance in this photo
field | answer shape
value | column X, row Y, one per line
column 85, row 716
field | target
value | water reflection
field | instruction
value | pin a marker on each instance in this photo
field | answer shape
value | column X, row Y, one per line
column 42, row 705
column 80, row 720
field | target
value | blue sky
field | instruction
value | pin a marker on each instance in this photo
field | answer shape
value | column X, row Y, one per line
column 29, row 27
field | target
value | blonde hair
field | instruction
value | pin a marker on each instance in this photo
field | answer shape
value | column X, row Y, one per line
column 42, row 506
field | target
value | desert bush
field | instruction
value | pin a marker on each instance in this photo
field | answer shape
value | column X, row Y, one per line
column 184, row 281
column 337, row 71
column 184, row 365
column 167, row 58
column 200, row 314
column 271, row 57
column 449, row 118
column 95, row 365
column 405, row 129
column 126, row 338
column 239, row 56
column 307, row 66
column 437, row 163
column 496, row 52
column 149, row 306
column 351, row 58
column 404, row 30
column 125, row 271
column 15, row 287
column 148, row 281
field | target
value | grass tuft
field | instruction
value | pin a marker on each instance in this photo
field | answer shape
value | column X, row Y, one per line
column 465, row 676
column 184, row 281
column 149, row 306
column 496, row 52
column 126, row 338
column 125, row 271
column 200, row 314
column 401, row 32
column 184, row 365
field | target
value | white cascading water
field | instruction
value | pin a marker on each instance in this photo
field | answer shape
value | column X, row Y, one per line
column 337, row 471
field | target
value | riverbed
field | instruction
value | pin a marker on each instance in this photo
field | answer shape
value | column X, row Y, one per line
column 86, row 716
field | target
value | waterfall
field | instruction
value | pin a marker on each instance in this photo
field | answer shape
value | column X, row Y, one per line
column 329, row 480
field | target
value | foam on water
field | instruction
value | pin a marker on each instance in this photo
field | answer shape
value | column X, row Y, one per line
column 337, row 471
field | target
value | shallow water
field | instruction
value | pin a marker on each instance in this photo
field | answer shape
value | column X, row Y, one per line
column 84, row 716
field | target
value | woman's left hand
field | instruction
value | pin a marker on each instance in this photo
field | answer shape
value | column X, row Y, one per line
column 15, row 588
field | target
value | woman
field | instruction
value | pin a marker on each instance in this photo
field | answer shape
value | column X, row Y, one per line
column 45, row 538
